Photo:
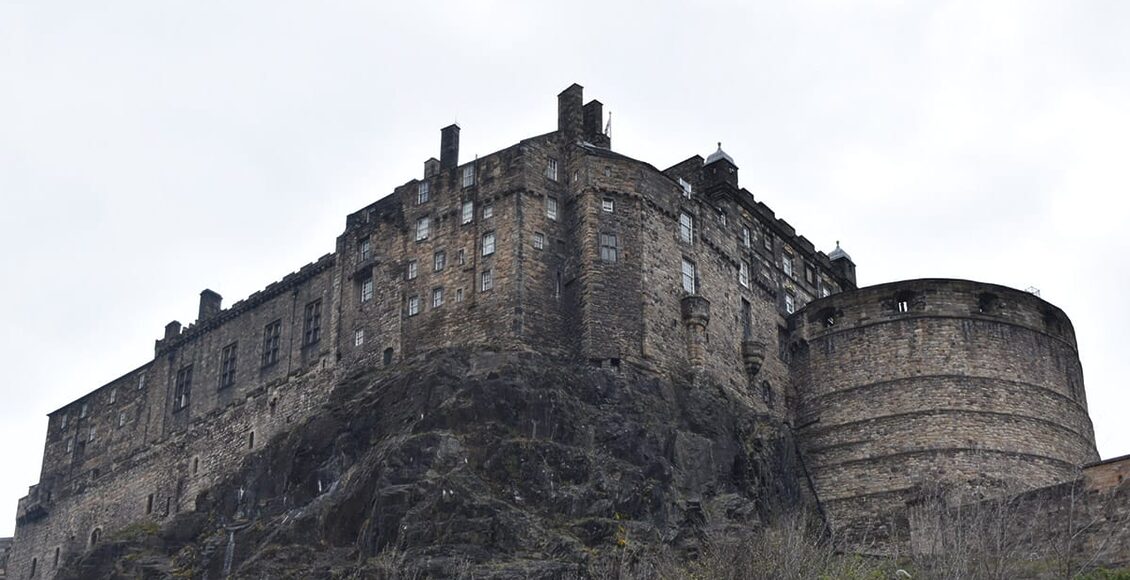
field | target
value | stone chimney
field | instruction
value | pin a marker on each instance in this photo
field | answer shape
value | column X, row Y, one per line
column 431, row 167
column 570, row 114
column 449, row 147
column 209, row 305
column 593, row 130
column 172, row 330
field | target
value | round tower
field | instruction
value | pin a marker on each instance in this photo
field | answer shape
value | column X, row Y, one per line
column 971, row 386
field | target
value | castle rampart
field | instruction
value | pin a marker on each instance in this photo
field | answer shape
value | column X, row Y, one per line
column 935, row 381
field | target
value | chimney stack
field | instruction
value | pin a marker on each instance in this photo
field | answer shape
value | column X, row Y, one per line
column 449, row 147
column 172, row 330
column 594, row 131
column 570, row 116
column 209, row 305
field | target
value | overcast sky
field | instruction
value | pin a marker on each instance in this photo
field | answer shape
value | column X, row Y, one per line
column 149, row 150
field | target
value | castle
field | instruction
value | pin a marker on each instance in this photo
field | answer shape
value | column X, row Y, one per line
column 558, row 244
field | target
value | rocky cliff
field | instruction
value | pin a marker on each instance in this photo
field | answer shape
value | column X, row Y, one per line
column 491, row 465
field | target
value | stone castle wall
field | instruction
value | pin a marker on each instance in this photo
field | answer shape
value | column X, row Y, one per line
column 935, row 381
column 882, row 398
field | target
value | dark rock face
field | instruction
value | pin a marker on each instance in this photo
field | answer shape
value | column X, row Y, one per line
column 496, row 465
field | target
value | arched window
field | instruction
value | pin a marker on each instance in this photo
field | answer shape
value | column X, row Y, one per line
column 95, row 536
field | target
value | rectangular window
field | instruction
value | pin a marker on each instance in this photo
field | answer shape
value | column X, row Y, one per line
column 413, row 270
column 686, row 227
column 747, row 319
column 437, row 297
column 539, row 241
column 607, row 205
column 787, row 265
column 113, row 396
column 790, row 303
column 82, row 412
column 551, row 208
column 746, row 238
column 141, row 381
column 810, row 274
column 364, row 250
column 359, row 337
column 94, row 431
column 366, row 289
column 63, row 423
column 469, row 176
column 487, row 281
column 121, row 419
column 488, row 243
column 227, row 365
column 413, row 305
column 468, row 212
column 688, row 276
column 743, row 274
column 422, row 193
column 183, row 388
column 551, row 169
column 423, row 225
column 608, row 249
column 439, row 261
column 272, row 334
column 461, row 257
column 686, row 187
column 312, row 330
column 722, row 218
column 459, row 295
column 488, row 211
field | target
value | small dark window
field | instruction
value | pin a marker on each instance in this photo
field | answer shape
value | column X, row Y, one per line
column 903, row 302
column 987, row 303
column 767, row 393
column 251, row 440
column 149, row 505
column 272, row 336
column 195, row 465
column 183, row 388
column 55, row 564
column 95, row 536
column 388, row 356
column 227, row 366
column 312, row 331
column 34, row 562
column 747, row 319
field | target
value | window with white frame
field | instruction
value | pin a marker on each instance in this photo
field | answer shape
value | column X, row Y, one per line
column 686, row 227
column 688, row 276
column 608, row 248
column 359, row 337
column 469, row 176
column 468, row 212
column 686, row 187
column 413, row 269
column 422, row 193
column 488, row 211
column 423, row 227
column 551, row 208
column 366, row 289
column 439, row 260
column 437, row 297
column 607, row 205
column 746, row 238
column 722, row 217
column 458, row 294
column 486, row 281
column 413, row 305
column 787, row 264
column 539, row 241
column 743, row 274
column 790, row 303
column 551, row 169
column 488, row 243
